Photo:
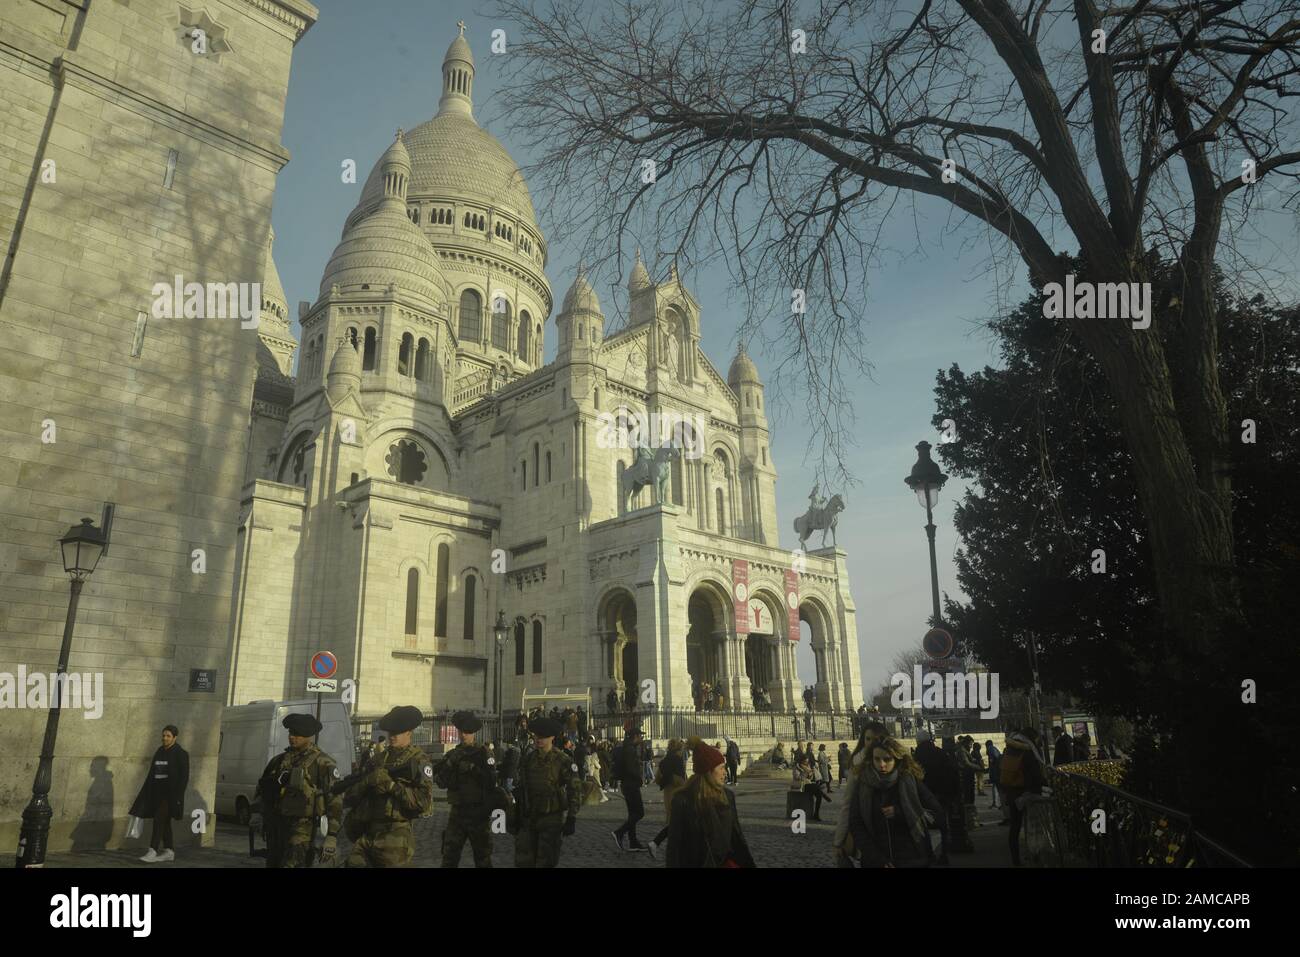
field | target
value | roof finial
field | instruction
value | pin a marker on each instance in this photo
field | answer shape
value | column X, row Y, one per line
column 399, row 133
column 461, row 24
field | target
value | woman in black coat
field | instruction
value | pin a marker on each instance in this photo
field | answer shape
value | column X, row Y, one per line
column 162, row 797
column 892, row 810
column 705, row 829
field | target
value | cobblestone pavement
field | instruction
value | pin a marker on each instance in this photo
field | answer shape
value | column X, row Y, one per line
column 761, row 802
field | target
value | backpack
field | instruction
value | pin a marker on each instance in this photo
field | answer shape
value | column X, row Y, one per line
column 1011, row 769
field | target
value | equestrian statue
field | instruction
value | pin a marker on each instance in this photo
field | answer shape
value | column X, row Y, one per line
column 651, row 467
column 821, row 515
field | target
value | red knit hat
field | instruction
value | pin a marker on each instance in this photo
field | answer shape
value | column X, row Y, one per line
column 705, row 757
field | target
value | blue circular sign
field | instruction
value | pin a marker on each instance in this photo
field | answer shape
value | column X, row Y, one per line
column 324, row 664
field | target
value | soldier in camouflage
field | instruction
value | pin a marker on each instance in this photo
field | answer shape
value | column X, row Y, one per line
column 394, row 789
column 547, row 793
column 294, row 793
column 467, row 774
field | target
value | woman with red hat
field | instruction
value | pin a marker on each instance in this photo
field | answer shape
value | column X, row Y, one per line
column 705, row 829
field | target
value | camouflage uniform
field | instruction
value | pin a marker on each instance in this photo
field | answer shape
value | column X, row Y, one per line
column 549, row 784
column 290, row 813
column 396, row 788
column 467, row 776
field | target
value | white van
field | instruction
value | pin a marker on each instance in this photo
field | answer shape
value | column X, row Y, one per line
column 252, row 734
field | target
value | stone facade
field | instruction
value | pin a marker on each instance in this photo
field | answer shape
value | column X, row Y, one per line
column 427, row 471
column 95, row 208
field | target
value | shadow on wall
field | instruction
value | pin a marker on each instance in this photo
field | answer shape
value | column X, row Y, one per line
column 95, row 828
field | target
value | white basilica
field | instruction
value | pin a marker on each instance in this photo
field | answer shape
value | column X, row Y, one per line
column 425, row 470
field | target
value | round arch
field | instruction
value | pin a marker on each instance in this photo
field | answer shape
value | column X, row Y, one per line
column 616, row 628
column 710, row 617
column 293, row 464
column 379, row 459
column 813, row 611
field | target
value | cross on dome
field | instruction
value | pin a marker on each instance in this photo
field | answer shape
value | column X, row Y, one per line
column 461, row 24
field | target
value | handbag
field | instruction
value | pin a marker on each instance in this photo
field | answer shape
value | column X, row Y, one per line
column 134, row 827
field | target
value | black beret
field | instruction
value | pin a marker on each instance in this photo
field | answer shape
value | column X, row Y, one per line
column 545, row 727
column 405, row 717
column 466, row 722
column 301, row 725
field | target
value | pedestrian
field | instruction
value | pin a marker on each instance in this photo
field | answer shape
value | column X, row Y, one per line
column 892, row 810
column 1064, row 753
column 671, row 778
column 546, row 798
column 1082, row 747
column 162, row 796
column 509, row 767
column 582, row 723
column 294, row 793
column 705, row 829
column 966, row 770
column 395, row 789
column 977, row 756
column 944, row 783
column 841, row 842
column 778, row 756
column 994, row 758
column 1019, row 773
column 629, row 770
column 824, row 767
column 842, row 759
column 805, row 779
column 732, row 755
column 606, row 766
column 611, row 701
column 647, row 762
column 467, row 777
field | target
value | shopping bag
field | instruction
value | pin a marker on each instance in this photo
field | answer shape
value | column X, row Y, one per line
column 134, row 827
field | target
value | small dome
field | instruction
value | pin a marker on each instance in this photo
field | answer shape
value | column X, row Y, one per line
column 581, row 296
column 345, row 361
column 640, row 278
column 742, row 371
column 459, row 50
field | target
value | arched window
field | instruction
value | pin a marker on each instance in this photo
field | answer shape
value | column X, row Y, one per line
column 404, row 354
column 537, row 647
column 470, row 583
column 537, row 344
column 406, row 462
column 522, row 345
column 412, row 600
column 471, row 316
column 501, row 325
column 537, row 471
column 422, row 361
column 548, row 467
column 722, row 524
column 523, row 467
column 351, row 337
column 368, row 354
column 519, row 647
column 440, row 605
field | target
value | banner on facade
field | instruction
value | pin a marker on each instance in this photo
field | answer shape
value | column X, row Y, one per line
column 792, row 602
column 740, row 594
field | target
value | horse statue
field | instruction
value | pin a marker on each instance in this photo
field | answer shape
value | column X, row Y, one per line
column 650, row 467
column 824, row 518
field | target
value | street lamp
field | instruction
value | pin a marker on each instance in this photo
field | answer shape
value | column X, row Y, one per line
column 502, row 631
column 925, row 481
column 81, row 547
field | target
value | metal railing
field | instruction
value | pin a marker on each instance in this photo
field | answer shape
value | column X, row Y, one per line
column 1138, row 832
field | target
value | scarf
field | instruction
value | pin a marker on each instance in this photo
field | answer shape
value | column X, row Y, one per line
column 909, row 799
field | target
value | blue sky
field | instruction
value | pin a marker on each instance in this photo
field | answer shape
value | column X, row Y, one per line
column 367, row 68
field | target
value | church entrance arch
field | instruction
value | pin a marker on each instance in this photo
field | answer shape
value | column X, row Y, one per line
column 617, row 628
column 761, row 646
column 815, row 623
column 705, row 638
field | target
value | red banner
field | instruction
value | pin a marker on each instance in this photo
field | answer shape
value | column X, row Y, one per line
column 792, row 602
column 740, row 594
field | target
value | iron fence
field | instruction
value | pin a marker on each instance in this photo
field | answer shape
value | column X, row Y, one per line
column 1137, row 832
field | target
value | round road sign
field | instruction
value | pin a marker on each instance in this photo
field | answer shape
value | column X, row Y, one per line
column 324, row 664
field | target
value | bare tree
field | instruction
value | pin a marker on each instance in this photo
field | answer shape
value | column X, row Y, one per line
column 1124, row 133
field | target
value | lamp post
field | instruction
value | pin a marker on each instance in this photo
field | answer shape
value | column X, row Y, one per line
column 501, row 630
column 925, row 481
column 81, row 547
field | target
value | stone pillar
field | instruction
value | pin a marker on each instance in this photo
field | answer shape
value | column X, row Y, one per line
column 734, row 680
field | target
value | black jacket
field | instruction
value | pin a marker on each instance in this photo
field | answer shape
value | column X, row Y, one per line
column 889, row 841
column 152, row 792
column 696, row 840
column 629, row 771
column 670, row 767
column 1064, row 750
column 940, row 771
